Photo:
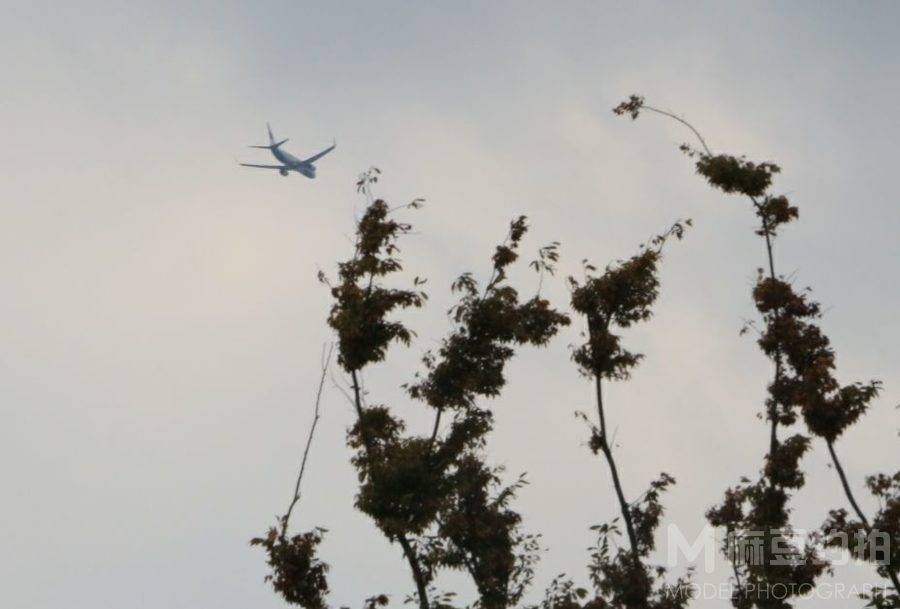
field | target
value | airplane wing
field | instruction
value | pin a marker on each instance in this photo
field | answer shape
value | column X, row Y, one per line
column 266, row 166
column 316, row 157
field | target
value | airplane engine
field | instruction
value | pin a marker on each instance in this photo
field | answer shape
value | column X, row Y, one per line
column 283, row 172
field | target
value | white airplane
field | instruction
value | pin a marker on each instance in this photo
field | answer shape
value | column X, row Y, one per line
column 288, row 161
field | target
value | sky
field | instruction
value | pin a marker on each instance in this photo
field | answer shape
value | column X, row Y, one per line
column 161, row 323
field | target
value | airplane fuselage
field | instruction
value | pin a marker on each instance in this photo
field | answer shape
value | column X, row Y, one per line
column 292, row 163
column 288, row 162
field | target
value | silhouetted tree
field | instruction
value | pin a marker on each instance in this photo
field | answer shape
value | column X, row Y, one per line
column 435, row 495
column 803, row 385
column 616, row 299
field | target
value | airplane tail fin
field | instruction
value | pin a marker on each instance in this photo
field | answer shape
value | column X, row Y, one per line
column 272, row 143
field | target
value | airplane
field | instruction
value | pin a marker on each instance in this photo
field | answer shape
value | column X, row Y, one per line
column 288, row 161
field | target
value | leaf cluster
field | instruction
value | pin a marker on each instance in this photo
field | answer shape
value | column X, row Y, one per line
column 488, row 326
column 621, row 296
column 803, row 362
column 807, row 384
column 864, row 545
column 298, row 574
column 623, row 581
column 618, row 298
column 360, row 313
column 436, row 490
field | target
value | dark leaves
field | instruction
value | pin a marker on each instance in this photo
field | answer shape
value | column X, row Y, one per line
column 482, row 531
column 621, row 296
column 362, row 304
column 806, row 383
column 876, row 542
column 436, row 494
column 621, row 582
column 547, row 258
column 403, row 488
column 632, row 107
column 373, row 602
column 773, row 212
column 297, row 573
column 489, row 325
column 736, row 174
column 782, row 466
column 647, row 512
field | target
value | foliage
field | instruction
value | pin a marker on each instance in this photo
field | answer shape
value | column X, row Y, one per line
column 807, row 385
column 297, row 573
column 488, row 325
column 885, row 552
column 804, row 384
column 620, row 297
column 362, row 305
column 435, row 494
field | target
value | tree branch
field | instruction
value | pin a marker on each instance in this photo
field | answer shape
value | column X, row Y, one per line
column 326, row 360
column 683, row 122
column 607, row 451
column 859, row 513
column 408, row 551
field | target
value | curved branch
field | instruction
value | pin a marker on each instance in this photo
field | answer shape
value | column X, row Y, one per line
column 852, row 499
column 683, row 122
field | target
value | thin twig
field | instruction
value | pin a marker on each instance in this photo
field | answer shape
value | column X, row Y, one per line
column 337, row 385
column 683, row 122
column 767, row 233
column 326, row 361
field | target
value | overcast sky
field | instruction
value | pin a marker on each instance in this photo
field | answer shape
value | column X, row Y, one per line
column 161, row 324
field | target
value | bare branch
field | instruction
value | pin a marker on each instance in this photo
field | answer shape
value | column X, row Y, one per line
column 325, row 362
column 683, row 122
